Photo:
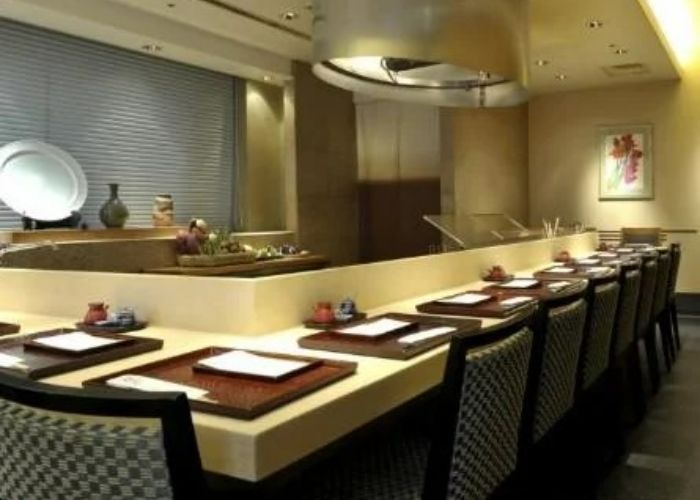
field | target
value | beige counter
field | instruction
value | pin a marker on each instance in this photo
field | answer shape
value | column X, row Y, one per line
column 252, row 450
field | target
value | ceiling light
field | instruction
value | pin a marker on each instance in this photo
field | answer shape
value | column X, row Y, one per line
column 560, row 76
column 171, row 4
column 541, row 62
column 594, row 24
column 433, row 52
column 290, row 15
column 267, row 78
column 152, row 48
column 621, row 51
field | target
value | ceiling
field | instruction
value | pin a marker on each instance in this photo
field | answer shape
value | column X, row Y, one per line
column 251, row 38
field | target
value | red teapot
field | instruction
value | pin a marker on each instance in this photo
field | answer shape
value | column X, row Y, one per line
column 97, row 311
column 323, row 312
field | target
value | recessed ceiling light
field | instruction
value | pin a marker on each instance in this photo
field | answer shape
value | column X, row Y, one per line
column 290, row 15
column 621, row 51
column 541, row 62
column 171, row 4
column 560, row 76
column 152, row 47
column 267, row 78
column 594, row 24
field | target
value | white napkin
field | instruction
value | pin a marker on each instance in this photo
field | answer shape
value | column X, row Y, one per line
column 519, row 283
column 415, row 338
column 607, row 254
column 7, row 361
column 141, row 383
column 515, row 301
column 75, row 341
column 589, row 262
column 561, row 270
column 594, row 270
column 556, row 285
column 253, row 364
column 466, row 299
column 375, row 328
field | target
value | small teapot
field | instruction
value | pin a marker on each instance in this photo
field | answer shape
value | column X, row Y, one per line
column 97, row 311
column 323, row 312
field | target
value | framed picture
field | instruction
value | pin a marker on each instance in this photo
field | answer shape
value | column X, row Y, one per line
column 626, row 163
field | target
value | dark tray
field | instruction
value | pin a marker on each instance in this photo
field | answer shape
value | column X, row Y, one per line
column 9, row 329
column 139, row 325
column 387, row 346
column 489, row 309
column 44, row 363
column 233, row 396
column 310, row 323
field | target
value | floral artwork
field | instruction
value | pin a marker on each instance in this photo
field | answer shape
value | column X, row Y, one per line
column 625, row 165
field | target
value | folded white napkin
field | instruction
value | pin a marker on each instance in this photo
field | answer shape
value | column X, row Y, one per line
column 141, row 383
column 465, row 299
column 375, row 328
column 253, row 364
column 415, row 338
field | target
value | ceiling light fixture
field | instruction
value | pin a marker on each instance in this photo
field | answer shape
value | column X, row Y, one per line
column 290, row 15
column 152, row 48
column 445, row 53
column 171, row 5
column 267, row 78
column 621, row 51
column 594, row 24
column 541, row 62
column 561, row 76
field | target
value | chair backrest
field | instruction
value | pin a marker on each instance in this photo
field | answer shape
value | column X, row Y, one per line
column 650, row 235
column 662, row 283
column 646, row 297
column 626, row 311
column 478, row 424
column 563, row 336
column 675, row 267
column 595, row 356
column 74, row 443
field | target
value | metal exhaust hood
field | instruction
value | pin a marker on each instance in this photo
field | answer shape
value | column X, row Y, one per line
column 469, row 53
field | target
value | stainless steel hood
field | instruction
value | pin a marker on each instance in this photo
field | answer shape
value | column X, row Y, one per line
column 470, row 53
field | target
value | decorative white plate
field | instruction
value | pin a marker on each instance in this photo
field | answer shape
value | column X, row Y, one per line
column 41, row 181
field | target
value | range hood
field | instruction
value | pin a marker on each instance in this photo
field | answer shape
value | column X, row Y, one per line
column 470, row 53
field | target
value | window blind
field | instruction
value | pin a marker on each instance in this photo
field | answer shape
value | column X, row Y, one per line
column 153, row 126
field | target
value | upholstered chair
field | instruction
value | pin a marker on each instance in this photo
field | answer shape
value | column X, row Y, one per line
column 58, row 443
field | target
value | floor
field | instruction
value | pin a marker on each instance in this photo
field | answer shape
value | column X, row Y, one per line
column 664, row 451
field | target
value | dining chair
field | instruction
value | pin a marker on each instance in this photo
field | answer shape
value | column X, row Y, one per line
column 650, row 235
column 58, row 442
column 671, row 303
column 474, row 437
column 642, row 326
column 660, row 309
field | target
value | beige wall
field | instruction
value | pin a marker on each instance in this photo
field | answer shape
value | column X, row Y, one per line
column 326, row 154
column 262, row 175
column 485, row 161
column 564, row 159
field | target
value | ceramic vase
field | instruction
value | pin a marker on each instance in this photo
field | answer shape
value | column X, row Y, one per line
column 114, row 213
column 163, row 210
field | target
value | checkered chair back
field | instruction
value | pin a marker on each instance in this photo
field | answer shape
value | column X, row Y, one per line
column 560, row 357
column 646, row 298
column 484, row 447
column 598, row 339
column 661, row 288
column 627, row 311
column 47, row 455
column 62, row 443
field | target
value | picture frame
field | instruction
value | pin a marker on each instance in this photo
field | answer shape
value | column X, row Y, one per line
column 626, row 162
